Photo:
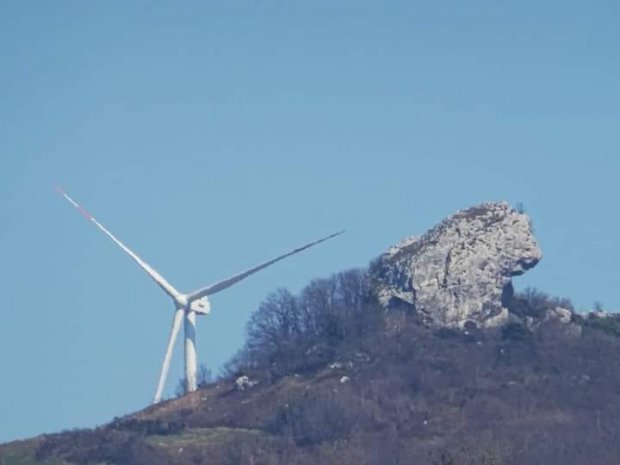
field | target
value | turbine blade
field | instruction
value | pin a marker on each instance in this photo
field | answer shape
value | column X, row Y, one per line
column 165, row 285
column 220, row 286
column 165, row 366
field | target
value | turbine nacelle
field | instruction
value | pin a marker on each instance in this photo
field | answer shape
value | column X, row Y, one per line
column 201, row 306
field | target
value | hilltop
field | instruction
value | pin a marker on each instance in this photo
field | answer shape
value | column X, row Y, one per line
column 428, row 357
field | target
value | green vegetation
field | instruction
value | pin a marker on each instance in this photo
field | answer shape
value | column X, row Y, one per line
column 203, row 437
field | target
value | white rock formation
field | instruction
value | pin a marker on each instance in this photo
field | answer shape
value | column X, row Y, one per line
column 563, row 315
column 558, row 319
column 243, row 382
column 460, row 269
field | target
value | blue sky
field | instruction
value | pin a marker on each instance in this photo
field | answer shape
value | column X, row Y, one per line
column 210, row 136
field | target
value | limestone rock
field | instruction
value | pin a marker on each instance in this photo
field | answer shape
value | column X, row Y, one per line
column 563, row 315
column 559, row 320
column 461, row 269
column 243, row 382
column 601, row 314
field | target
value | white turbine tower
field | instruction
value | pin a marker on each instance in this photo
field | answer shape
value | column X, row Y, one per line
column 186, row 305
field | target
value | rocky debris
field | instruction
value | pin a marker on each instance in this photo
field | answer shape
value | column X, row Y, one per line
column 460, row 270
column 562, row 319
column 362, row 357
column 601, row 314
column 563, row 315
column 243, row 382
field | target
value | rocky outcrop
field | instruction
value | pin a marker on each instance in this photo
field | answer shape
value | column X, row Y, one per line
column 244, row 382
column 460, row 270
column 557, row 319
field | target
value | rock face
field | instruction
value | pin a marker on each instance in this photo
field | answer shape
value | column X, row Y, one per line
column 461, row 269
column 243, row 382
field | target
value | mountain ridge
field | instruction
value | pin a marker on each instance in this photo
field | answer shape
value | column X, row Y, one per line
column 340, row 374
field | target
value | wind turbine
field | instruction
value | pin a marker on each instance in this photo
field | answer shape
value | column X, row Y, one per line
column 187, row 306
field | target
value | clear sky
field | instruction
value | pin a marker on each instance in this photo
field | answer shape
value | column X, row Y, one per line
column 210, row 136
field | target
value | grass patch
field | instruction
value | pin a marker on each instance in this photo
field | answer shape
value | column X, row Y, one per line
column 203, row 436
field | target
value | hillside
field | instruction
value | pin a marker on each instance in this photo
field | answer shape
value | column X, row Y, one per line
column 414, row 396
column 392, row 365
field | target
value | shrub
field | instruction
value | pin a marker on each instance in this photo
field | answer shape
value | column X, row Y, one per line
column 297, row 333
column 515, row 332
column 314, row 418
column 609, row 324
column 534, row 303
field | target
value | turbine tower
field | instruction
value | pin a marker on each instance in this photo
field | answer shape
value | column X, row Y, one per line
column 187, row 306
